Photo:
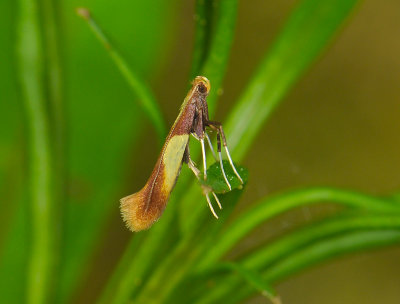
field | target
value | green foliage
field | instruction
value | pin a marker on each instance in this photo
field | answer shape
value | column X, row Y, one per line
column 215, row 179
column 253, row 279
column 52, row 226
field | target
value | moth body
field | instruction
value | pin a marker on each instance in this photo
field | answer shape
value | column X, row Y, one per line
column 141, row 209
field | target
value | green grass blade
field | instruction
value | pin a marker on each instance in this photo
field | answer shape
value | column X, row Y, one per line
column 331, row 248
column 263, row 258
column 253, row 279
column 222, row 34
column 202, row 36
column 138, row 86
column 30, row 62
column 183, row 257
column 323, row 251
column 270, row 207
column 55, row 92
column 289, row 245
column 306, row 33
column 136, row 266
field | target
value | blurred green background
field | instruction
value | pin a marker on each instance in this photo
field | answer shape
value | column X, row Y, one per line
column 339, row 126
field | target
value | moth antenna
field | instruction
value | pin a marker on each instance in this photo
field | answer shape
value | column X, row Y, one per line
column 193, row 167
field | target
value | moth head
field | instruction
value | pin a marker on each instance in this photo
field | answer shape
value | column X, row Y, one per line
column 202, row 85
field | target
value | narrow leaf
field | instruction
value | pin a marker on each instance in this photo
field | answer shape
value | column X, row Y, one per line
column 254, row 280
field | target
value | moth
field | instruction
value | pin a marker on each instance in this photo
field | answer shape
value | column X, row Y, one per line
column 141, row 209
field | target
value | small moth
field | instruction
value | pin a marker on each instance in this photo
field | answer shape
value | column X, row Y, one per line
column 141, row 209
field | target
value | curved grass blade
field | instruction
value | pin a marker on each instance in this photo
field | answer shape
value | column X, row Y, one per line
column 305, row 35
column 273, row 253
column 273, row 206
column 253, row 279
column 137, row 85
column 323, row 251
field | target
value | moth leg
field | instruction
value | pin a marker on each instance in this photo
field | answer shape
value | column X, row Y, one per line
column 218, row 126
column 217, row 200
column 210, row 205
column 195, row 136
column 210, row 145
column 192, row 166
column 190, row 163
column 203, row 152
column 220, row 161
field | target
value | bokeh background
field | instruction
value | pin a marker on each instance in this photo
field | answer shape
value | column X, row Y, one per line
column 339, row 126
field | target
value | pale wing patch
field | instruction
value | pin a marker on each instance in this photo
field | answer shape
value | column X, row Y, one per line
column 172, row 159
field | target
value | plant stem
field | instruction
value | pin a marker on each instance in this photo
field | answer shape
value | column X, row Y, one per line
column 139, row 87
column 29, row 54
column 54, row 82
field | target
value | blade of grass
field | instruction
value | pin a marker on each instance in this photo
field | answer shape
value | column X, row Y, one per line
column 322, row 252
column 54, row 81
column 54, row 86
column 137, row 85
column 203, row 20
column 305, row 35
column 183, row 258
column 54, row 77
column 253, row 279
column 331, row 248
column 262, row 259
column 270, row 207
column 222, row 35
column 271, row 254
column 30, row 63
column 138, row 261
column 215, row 29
